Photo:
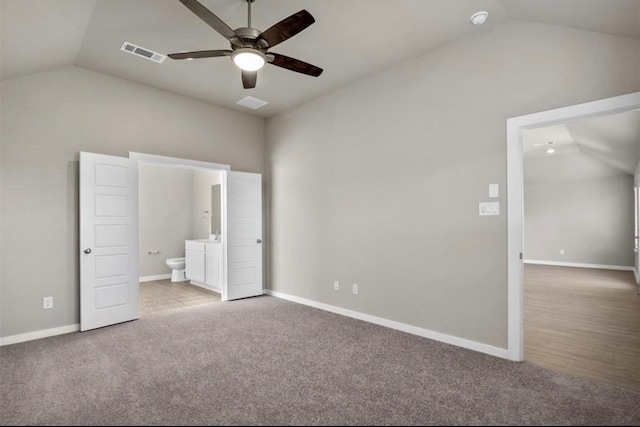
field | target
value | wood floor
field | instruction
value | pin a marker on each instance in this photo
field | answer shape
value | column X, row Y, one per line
column 164, row 296
column 584, row 322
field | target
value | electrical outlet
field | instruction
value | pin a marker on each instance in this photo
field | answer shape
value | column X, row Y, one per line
column 47, row 303
column 336, row 286
column 355, row 289
column 561, row 251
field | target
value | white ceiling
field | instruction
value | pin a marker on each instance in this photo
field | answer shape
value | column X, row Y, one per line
column 349, row 40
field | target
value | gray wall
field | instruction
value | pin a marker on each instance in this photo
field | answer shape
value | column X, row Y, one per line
column 47, row 119
column 592, row 220
column 378, row 183
column 165, row 213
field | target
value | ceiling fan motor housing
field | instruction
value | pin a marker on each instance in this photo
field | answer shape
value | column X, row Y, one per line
column 250, row 37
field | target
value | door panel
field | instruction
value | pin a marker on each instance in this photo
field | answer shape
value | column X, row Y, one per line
column 244, row 230
column 109, row 287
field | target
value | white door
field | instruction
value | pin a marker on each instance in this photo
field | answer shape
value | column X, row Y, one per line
column 244, row 231
column 109, row 286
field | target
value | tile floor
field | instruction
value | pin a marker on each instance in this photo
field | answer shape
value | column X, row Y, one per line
column 164, row 296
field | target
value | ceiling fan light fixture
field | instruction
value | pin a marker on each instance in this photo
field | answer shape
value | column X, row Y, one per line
column 248, row 59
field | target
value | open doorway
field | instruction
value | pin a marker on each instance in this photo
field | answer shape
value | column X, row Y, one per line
column 581, row 312
column 515, row 184
column 179, row 201
column 109, row 260
column 516, row 130
column 177, row 205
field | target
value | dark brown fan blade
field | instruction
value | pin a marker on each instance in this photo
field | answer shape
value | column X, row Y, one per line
column 214, row 22
column 249, row 79
column 199, row 54
column 288, row 27
column 295, row 65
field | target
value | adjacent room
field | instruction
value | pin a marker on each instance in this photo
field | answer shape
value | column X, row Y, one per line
column 580, row 225
column 319, row 212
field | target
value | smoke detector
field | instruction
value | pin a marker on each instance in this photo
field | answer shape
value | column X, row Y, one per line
column 479, row 18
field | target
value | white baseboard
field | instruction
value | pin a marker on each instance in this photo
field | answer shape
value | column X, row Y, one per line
column 580, row 265
column 426, row 333
column 29, row 336
column 156, row 277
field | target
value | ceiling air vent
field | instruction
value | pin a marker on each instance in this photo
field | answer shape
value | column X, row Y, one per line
column 144, row 53
column 251, row 102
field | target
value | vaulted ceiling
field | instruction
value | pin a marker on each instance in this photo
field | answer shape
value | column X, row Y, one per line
column 587, row 148
column 349, row 40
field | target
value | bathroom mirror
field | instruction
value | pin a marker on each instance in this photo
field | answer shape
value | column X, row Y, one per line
column 216, row 210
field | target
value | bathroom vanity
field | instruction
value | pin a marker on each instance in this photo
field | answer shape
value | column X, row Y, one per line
column 204, row 263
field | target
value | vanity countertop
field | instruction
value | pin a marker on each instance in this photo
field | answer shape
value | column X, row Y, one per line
column 208, row 241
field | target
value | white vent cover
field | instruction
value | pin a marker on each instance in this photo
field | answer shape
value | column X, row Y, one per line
column 251, row 102
column 142, row 52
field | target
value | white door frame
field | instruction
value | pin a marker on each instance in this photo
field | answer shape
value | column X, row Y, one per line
column 515, row 190
column 217, row 167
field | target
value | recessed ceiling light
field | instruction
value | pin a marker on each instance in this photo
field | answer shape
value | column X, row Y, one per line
column 551, row 151
column 479, row 18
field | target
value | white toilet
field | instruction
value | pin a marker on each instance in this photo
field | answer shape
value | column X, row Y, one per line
column 177, row 269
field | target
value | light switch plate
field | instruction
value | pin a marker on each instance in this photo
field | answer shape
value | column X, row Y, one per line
column 493, row 190
column 488, row 208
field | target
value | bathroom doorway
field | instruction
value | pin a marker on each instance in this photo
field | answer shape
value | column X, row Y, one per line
column 175, row 205
column 109, row 259
column 240, row 221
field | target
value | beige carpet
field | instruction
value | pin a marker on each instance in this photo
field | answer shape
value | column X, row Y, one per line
column 266, row 361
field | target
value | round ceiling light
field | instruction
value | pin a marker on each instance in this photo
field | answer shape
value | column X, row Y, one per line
column 479, row 18
column 248, row 59
column 550, row 150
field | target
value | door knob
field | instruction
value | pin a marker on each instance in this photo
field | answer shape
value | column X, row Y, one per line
column 87, row 251
column 259, row 240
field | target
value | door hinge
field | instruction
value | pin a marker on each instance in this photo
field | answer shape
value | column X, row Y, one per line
column 520, row 255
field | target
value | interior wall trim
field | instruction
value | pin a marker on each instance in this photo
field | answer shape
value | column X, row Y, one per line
column 44, row 333
column 580, row 265
column 425, row 333
column 164, row 160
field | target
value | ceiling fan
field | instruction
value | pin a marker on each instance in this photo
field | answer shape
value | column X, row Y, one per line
column 249, row 46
